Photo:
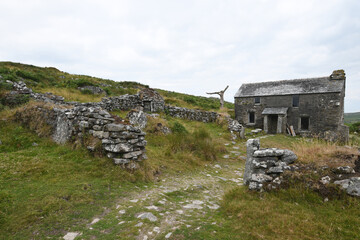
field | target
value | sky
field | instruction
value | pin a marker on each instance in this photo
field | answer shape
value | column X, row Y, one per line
column 187, row 46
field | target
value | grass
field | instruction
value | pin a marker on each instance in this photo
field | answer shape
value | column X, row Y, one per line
column 48, row 188
column 295, row 213
column 72, row 94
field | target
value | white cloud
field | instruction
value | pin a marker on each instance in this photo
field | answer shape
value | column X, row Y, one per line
column 187, row 46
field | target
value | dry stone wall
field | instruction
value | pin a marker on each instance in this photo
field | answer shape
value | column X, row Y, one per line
column 191, row 114
column 265, row 166
column 124, row 143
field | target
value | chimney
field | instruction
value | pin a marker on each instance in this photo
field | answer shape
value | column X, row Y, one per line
column 338, row 75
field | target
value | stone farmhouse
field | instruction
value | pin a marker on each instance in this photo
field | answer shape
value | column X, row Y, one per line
column 311, row 107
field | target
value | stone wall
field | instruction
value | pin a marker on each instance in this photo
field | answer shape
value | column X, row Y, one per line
column 265, row 166
column 124, row 143
column 191, row 114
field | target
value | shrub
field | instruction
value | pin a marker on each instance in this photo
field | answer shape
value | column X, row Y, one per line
column 28, row 75
column 178, row 128
column 13, row 100
column 354, row 127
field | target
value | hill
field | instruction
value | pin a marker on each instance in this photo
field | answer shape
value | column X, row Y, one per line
column 352, row 117
column 190, row 187
column 50, row 79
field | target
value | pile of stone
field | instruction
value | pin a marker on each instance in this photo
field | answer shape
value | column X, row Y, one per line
column 236, row 129
column 265, row 166
column 191, row 114
column 21, row 88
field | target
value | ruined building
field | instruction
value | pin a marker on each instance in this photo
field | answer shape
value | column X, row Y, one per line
column 312, row 106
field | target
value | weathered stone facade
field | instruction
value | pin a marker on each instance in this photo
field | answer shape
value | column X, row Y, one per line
column 314, row 107
column 265, row 165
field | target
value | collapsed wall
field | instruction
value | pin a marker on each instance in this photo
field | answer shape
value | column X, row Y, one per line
column 94, row 127
column 265, row 166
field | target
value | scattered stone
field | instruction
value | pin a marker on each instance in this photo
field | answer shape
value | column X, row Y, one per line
column 95, row 221
column 344, row 170
column 139, row 224
column 221, row 178
column 325, row 180
column 168, row 235
column 351, row 186
column 214, row 206
column 122, row 211
column 194, row 205
column 255, row 131
column 226, row 156
column 180, row 211
column 148, row 215
column 34, row 144
column 134, row 200
column 217, row 166
column 71, row 235
column 121, row 222
column 152, row 207
column 156, row 229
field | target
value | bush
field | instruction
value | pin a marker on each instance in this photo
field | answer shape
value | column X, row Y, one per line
column 178, row 128
column 13, row 100
column 354, row 127
column 29, row 75
column 5, row 86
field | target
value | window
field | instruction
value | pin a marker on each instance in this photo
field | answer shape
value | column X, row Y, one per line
column 305, row 122
column 251, row 117
column 295, row 101
column 257, row 100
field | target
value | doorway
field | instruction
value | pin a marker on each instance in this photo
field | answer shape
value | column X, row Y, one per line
column 272, row 123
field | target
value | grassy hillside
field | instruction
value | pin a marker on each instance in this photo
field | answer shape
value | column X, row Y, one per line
column 352, row 117
column 47, row 190
column 52, row 80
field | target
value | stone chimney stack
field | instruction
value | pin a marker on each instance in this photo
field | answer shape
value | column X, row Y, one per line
column 338, row 75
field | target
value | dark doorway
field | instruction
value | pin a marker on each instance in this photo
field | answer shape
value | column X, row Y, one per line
column 305, row 122
column 147, row 106
column 272, row 123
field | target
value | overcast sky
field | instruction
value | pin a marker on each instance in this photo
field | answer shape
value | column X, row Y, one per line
column 186, row 46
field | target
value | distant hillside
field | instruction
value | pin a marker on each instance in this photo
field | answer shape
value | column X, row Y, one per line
column 352, row 117
column 50, row 79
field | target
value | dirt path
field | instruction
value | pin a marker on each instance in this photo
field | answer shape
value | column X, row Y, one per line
column 156, row 211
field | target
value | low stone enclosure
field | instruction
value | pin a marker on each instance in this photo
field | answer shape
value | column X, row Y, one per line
column 269, row 168
column 92, row 125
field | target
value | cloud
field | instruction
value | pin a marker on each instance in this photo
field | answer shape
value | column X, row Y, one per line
column 187, row 46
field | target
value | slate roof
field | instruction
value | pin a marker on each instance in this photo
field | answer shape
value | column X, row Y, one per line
column 290, row 87
column 280, row 110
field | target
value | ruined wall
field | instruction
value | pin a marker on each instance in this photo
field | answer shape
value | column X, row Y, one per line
column 124, row 143
column 265, row 166
column 191, row 114
column 324, row 110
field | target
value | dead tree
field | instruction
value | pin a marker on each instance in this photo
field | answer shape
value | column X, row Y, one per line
column 221, row 94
